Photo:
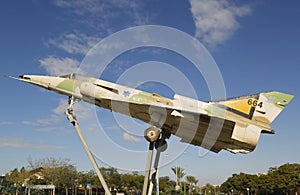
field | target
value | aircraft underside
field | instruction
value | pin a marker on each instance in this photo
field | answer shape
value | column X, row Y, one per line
column 212, row 133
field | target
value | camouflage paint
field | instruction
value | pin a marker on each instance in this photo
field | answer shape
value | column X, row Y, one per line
column 149, row 98
column 280, row 100
column 67, row 85
column 249, row 115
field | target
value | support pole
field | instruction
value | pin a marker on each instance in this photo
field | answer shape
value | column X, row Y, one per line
column 151, row 134
column 148, row 167
column 154, row 174
column 72, row 118
column 161, row 146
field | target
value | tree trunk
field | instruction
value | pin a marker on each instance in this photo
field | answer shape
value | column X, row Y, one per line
column 67, row 190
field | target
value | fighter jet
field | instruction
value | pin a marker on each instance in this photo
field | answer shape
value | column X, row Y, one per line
column 233, row 124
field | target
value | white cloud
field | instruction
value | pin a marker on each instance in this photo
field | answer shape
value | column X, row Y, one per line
column 58, row 114
column 29, row 123
column 61, row 108
column 216, row 20
column 100, row 15
column 81, row 109
column 81, row 7
column 6, row 123
column 53, row 119
column 84, row 110
column 48, row 121
column 74, row 43
column 59, row 66
column 130, row 138
column 19, row 143
column 46, row 129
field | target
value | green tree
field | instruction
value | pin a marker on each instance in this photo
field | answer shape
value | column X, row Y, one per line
column 131, row 183
column 62, row 177
column 284, row 178
column 192, row 181
column 281, row 180
column 265, row 184
column 208, row 189
column 112, row 177
column 59, row 172
column 166, row 185
column 17, row 178
column 240, row 183
column 89, row 177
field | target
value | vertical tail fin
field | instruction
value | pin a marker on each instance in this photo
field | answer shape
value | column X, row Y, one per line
column 269, row 105
column 260, row 110
column 263, row 107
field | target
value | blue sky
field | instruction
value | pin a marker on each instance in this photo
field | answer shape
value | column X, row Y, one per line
column 255, row 44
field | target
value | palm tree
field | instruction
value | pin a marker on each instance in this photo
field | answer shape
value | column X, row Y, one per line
column 192, row 181
column 179, row 172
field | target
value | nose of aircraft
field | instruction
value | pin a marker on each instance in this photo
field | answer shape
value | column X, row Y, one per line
column 36, row 80
column 58, row 84
column 24, row 77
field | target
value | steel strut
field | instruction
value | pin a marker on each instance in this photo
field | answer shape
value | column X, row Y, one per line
column 160, row 145
column 154, row 174
column 72, row 118
column 148, row 167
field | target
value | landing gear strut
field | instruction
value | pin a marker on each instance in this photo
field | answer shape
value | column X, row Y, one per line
column 152, row 134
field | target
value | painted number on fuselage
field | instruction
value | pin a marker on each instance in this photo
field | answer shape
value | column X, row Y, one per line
column 254, row 103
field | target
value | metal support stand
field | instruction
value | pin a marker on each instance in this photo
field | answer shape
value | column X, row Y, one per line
column 148, row 167
column 154, row 174
column 151, row 134
column 72, row 118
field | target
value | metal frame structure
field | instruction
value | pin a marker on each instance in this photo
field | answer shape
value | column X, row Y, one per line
column 72, row 118
column 151, row 134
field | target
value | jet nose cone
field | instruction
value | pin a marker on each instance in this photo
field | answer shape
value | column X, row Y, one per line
column 24, row 77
